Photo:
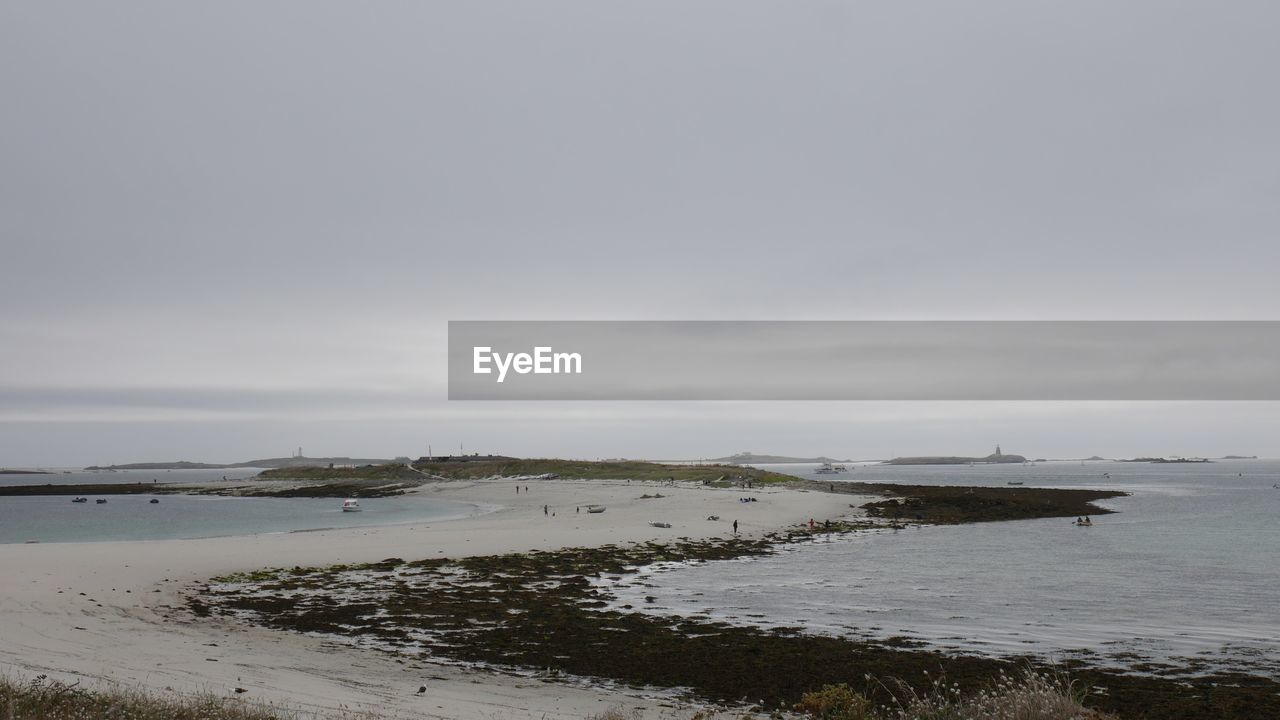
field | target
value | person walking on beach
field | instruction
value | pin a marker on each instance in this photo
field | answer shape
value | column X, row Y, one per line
column 545, row 510
column 735, row 527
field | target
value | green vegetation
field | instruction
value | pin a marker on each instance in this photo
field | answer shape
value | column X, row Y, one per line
column 1031, row 696
column 365, row 481
column 602, row 470
column 388, row 471
column 44, row 699
column 957, row 460
column 836, row 702
column 1028, row 696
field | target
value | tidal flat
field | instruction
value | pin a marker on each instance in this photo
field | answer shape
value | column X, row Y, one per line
column 548, row 613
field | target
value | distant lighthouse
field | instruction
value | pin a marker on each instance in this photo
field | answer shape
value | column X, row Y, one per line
column 998, row 453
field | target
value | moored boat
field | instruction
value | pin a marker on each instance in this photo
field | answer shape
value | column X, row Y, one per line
column 351, row 505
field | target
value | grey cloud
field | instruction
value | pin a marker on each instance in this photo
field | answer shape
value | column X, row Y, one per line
column 317, row 188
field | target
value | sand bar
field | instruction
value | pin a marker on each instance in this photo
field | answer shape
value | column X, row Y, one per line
column 112, row 611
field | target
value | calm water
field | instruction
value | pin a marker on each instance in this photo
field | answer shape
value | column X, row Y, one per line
column 76, row 476
column 1190, row 568
column 133, row 517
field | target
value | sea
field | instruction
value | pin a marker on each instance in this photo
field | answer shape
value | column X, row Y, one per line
column 1184, row 576
column 133, row 517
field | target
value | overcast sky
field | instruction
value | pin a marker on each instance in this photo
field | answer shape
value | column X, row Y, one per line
column 230, row 229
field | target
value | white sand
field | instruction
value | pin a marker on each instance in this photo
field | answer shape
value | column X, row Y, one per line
column 110, row 611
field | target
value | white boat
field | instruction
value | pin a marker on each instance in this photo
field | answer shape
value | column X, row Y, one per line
column 595, row 508
column 661, row 524
column 351, row 505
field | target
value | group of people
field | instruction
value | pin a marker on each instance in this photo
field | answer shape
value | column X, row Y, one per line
column 1085, row 521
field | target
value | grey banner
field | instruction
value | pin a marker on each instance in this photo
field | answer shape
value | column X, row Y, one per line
column 864, row 360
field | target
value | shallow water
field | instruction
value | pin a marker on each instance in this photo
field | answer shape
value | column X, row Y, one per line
column 1187, row 569
column 133, row 517
column 78, row 476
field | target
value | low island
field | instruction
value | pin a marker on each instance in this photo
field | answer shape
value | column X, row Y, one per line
column 995, row 458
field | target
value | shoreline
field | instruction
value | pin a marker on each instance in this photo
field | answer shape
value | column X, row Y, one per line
column 568, row 627
column 112, row 611
column 118, row 611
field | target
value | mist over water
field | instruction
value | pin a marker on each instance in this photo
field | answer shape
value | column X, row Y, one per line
column 1185, row 571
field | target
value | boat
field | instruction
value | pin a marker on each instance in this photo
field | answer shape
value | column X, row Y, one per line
column 829, row 469
column 660, row 524
column 1082, row 523
column 155, row 501
column 1015, row 482
column 80, row 500
column 351, row 505
column 101, row 501
column 595, row 508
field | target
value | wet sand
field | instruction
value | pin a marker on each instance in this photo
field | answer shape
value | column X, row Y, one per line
column 116, row 611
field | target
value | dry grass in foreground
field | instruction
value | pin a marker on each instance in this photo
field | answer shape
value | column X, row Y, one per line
column 1028, row 696
column 43, row 699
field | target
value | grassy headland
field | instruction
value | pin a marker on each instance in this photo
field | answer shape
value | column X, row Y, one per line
column 386, row 471
column 604, row 470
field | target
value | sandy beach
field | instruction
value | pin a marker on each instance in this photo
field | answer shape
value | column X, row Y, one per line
column 113, row 611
